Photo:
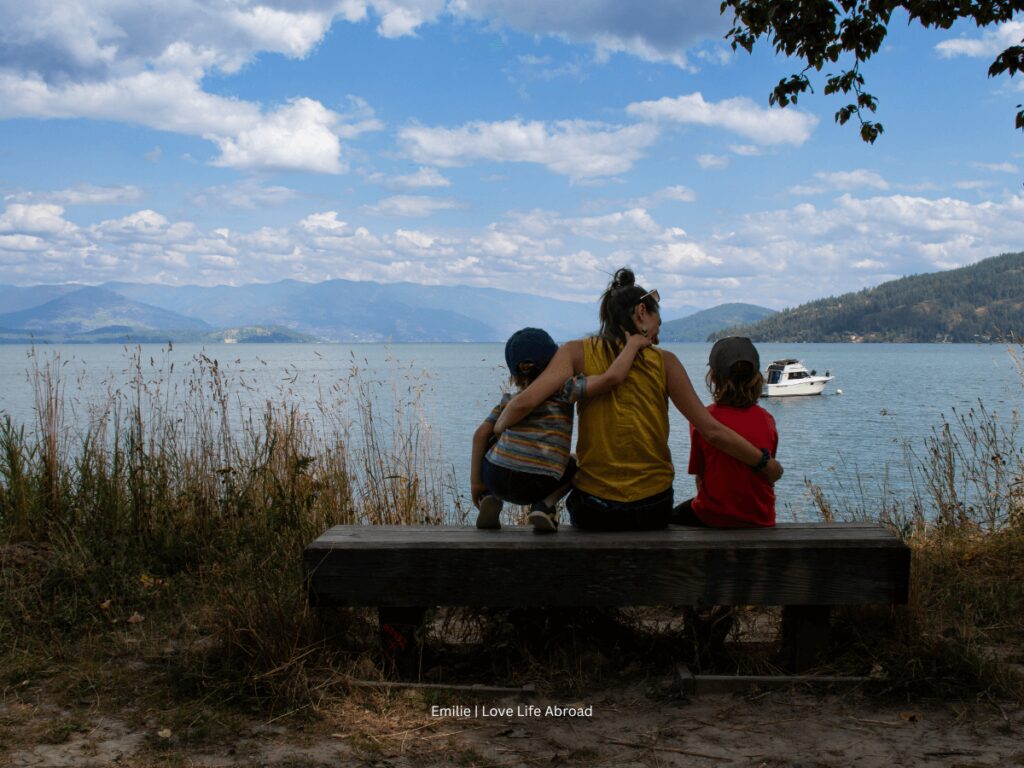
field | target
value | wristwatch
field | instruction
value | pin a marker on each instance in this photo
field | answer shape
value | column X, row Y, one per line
column 766, row 456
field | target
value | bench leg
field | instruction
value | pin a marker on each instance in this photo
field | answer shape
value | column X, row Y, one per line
column 401, row 639
column 805, row 634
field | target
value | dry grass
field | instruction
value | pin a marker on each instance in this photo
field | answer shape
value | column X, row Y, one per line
column 157, row 554
column 964, row 523
column 177, row 516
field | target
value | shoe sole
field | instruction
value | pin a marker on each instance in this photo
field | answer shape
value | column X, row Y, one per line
column 541, row 522
column 489, row 516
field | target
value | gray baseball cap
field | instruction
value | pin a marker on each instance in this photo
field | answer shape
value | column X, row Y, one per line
column 731, row 350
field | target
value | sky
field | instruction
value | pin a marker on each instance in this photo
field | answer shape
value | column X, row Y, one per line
column 516, row 144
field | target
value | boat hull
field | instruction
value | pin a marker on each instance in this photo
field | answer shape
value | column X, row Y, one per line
column 796, row 388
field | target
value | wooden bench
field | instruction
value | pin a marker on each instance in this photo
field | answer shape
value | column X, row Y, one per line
column 805, row 567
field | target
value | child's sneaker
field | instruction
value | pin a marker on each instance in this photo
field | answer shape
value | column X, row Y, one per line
column 543, row 518
column 489, row 516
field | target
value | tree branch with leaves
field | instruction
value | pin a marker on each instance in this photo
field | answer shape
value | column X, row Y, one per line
column 823, row 32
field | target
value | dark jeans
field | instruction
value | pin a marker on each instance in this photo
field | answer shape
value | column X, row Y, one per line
column 684, row 515
column 596, row 514
column 523, row 487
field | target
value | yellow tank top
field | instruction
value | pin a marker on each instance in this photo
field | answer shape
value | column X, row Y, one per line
column 622, row 449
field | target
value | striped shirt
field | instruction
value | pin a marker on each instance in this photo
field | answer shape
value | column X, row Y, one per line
column 539, row 444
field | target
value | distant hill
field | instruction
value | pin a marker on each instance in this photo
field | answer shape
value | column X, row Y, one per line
column 88, row 309
column 981, row 302
column 14, row 298
column 119, row 334
column 700, row 325
column 347, row 310
column 335, row 310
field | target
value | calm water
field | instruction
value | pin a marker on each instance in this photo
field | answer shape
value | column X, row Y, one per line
column 850, row 444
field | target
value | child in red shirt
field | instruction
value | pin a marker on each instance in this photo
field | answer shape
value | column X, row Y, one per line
column 729, row 494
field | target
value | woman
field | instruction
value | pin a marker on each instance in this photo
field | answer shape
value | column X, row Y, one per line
column 625, row 471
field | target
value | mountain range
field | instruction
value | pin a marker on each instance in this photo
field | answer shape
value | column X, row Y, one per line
column 289, row 310
column 981, row 302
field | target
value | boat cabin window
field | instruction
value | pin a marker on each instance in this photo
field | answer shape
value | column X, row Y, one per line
column 773, row 377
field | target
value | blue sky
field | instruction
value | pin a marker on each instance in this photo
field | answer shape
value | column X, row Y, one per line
column 515, row 144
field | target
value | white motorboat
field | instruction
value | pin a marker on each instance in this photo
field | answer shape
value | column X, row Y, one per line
column 785, row 378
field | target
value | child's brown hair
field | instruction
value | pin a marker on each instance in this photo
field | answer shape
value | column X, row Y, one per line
column 734, row 377
column 741, row 389
column 525, row 376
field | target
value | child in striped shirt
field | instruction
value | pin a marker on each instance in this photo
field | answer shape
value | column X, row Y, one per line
column 530, row 462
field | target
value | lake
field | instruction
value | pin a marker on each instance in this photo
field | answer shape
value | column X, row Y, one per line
column 852, row 445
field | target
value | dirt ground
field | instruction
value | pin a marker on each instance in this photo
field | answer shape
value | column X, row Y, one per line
column 643, row 723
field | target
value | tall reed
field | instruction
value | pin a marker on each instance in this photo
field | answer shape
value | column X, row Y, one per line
column 181, row 498
column 964, row 523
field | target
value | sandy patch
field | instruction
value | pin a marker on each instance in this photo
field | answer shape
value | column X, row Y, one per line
column 642, row 724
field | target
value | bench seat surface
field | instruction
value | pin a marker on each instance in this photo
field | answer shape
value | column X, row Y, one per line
column 791, row 564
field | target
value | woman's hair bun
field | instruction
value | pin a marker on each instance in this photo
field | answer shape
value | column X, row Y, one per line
column 624, row 278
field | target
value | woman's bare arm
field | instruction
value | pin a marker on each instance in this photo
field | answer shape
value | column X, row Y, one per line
column 562, row 366
column 683, row 396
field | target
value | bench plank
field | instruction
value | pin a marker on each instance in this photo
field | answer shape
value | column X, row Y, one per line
column 791, row 564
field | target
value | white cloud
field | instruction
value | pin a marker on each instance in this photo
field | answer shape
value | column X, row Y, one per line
column 85, row 194
column 745, row 150
column 852, row 179
column 684, row 256
column 915, row 234
column 218, row 261
column 990, row 43
column 711, row 162
column 95, row 41
column 326, row 222
column 774, row 257
column 21, row 243
column 615, row 227
column 739, row 115
column 411, row 206
column 574, row 148
column 677, row 193
column 423, row 178
column 299, row 136
column 657, row 30
column 997, row 167
column 402, row 17
column 145, row 64
column 973, row 184
column 247, row 195
column 293, row 33
column 841, row 180
column 38, row 219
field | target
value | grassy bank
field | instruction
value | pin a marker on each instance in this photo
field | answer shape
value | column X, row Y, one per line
column 170, row 527
column 162, row 543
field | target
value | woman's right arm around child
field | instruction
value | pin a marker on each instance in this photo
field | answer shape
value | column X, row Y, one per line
column 563, row 366
column 599, row 383
column 567, row 360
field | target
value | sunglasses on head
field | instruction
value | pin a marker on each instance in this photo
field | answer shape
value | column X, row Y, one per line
column 653, row 294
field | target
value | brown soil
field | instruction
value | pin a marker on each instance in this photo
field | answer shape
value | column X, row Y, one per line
column 639, row 723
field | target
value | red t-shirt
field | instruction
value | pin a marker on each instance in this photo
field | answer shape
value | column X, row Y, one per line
column 731, row 495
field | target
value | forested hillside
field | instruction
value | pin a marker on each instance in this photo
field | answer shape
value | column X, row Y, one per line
column 982, row 302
